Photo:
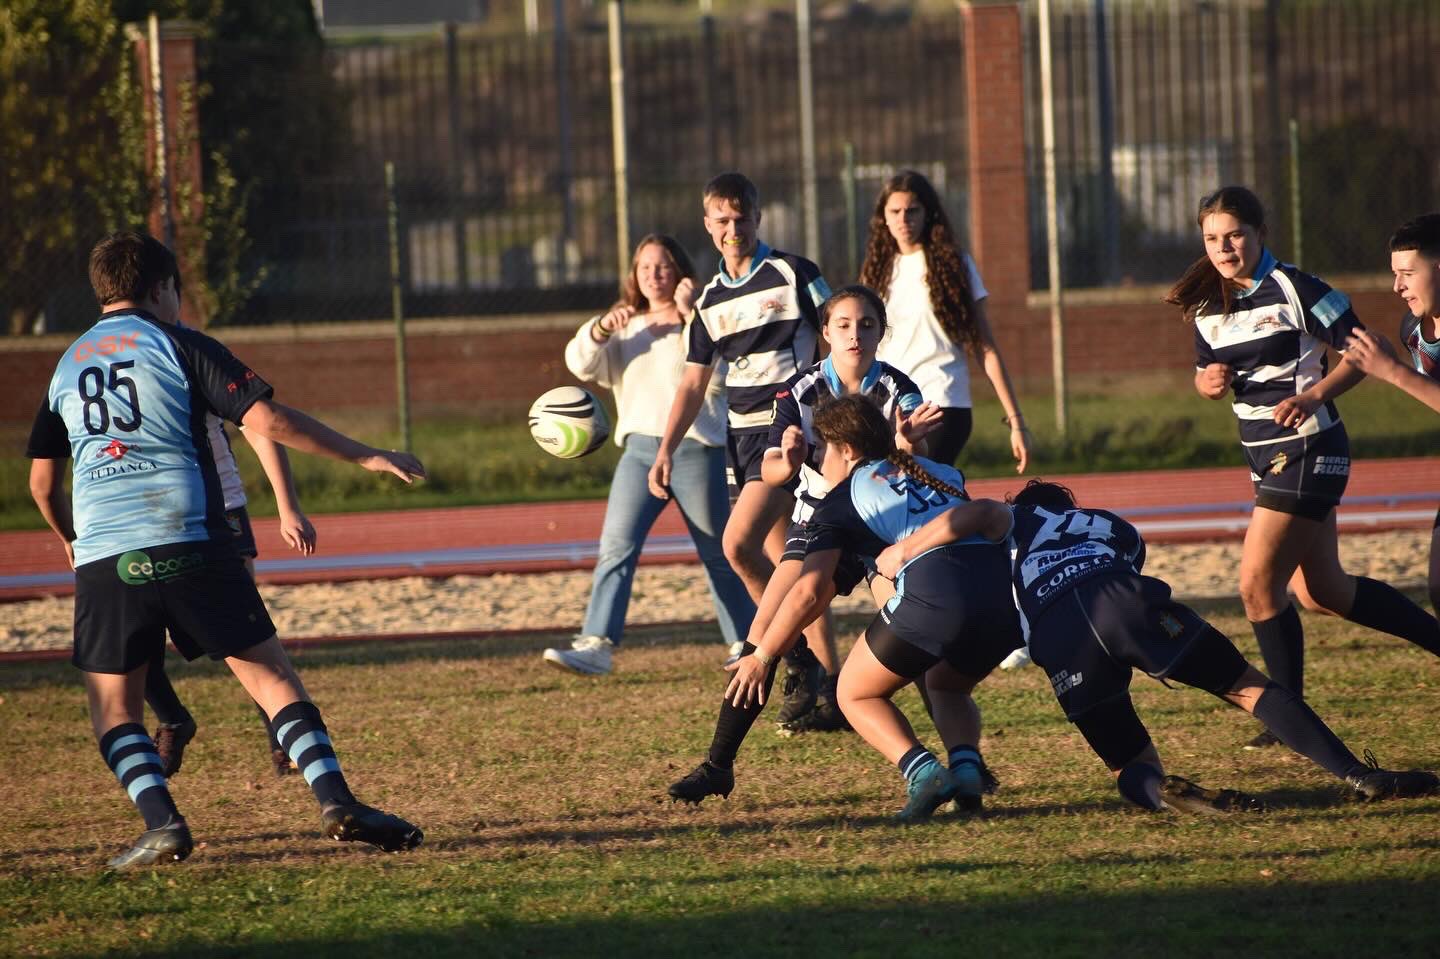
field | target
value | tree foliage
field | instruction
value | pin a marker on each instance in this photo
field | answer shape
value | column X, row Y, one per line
column 71, row 144
column 272, row 122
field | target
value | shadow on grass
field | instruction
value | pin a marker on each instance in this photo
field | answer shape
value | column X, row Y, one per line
column 849, row 919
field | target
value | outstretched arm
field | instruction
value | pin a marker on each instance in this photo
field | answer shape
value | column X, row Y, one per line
column 47, row 488
column 803, row 603
column 1373, row 355
column 303, row 432
column 295, row 528
column 981, row 517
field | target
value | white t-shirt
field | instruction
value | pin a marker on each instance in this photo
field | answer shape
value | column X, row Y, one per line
column 916, row 343
column 644, row 372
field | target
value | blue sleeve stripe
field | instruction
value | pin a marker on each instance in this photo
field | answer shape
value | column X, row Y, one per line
column 1331, row 307
column 908, row 402
column 819, row 290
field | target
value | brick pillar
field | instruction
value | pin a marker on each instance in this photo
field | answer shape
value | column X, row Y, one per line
column 186, row 202
column 995, row 111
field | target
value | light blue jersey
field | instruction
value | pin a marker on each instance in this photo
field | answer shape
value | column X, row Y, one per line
column 128, row 403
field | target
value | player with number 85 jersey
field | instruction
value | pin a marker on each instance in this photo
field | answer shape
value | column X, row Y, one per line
column 133, row 485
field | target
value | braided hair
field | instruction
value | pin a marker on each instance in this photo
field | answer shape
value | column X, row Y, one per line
column 857, row 422
column 950, row 295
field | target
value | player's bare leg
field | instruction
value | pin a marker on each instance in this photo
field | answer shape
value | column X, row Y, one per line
column 268, row 676
column 865, row 690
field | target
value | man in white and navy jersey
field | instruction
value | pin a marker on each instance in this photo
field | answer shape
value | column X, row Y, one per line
column 1415, row 263
column 758, row 321
column 145, row 529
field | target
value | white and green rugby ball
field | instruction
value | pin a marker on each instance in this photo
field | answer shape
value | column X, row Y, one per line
column 568, row 422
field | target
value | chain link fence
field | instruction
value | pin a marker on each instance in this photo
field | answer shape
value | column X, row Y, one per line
column 1159, row 102
column 505, row 171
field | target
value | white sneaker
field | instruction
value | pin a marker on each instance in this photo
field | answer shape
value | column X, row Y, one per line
column 1017, row 660
column 736, row 648
column 588, row 654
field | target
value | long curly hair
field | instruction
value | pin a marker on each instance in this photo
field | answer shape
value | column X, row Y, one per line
column 1201, row 283
column 856, row 421
column 630, row 294
column 950, row 295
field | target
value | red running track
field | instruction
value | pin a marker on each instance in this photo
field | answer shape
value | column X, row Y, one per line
column 1168, row 506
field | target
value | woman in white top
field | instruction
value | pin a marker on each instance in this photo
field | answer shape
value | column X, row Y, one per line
column 936, row 304
column 638, row 351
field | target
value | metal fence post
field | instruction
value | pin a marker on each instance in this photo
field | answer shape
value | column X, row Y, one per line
column 457, row 158
column 1052, row 222
column 1297, row 224
column 810, row 200
column 402, row 383
column 852, row 212
column 618, row 135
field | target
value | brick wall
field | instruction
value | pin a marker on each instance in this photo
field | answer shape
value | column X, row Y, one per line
column 496, row 367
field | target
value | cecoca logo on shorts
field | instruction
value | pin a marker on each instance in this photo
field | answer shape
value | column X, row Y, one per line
column 137, row 568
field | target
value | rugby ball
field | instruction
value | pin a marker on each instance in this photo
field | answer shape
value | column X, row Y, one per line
column 568, row 422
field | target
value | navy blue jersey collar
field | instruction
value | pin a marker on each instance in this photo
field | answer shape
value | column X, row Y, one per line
column 761, row 252
column 1264, row 268
column 867, row 382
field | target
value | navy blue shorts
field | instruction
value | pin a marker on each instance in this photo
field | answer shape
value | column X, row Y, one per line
column 1305, row 476
column 238, row 520
column 954, row 604
column 1089, row 640
column 744, row 452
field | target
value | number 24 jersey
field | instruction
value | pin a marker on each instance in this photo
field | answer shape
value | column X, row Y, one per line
column 1053, row 552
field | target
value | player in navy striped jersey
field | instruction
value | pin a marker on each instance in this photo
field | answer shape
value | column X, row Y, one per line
column 1415, row 262
column 1090, row 616
column 853, row 323
column 951, row 619
column 145, row 526
column 1261, row 332
column 758, row 323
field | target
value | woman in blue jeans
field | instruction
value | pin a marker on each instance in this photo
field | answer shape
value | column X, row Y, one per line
column 637, row 349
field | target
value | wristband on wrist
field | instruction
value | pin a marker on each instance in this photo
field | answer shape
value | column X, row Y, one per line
column 766, row 661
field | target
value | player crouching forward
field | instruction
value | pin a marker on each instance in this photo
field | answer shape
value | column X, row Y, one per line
column 150, row 545
column 1090, row 616
column 951, row 619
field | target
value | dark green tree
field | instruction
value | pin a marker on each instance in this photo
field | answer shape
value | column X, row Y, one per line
column 71, row 145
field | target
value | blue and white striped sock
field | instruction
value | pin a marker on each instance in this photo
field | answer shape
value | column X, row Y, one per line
column 130, row 753
column 965, row 753
column 916, row 763
column 301, row 733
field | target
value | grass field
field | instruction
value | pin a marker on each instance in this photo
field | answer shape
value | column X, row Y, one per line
column 542, row 793
column 1158, row 423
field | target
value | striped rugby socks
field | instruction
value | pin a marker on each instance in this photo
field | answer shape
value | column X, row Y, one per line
column 130, row 753
column 301, row 733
